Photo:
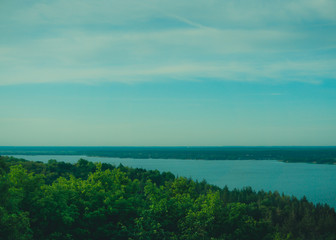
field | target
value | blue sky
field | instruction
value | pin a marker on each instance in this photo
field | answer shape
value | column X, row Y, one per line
column 168, row 73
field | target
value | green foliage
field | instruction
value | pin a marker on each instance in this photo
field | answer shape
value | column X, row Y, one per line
column 86, row 201
column 14, row 225
column 3, row 166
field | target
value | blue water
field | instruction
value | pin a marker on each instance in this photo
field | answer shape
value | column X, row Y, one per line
column 316, row 182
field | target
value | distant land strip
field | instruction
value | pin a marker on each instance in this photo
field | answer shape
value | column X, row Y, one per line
column 318, row 155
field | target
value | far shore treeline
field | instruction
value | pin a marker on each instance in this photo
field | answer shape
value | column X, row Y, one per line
column 320, row 155
column 88, row 201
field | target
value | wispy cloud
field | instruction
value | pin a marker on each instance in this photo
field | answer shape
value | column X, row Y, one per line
column 128, row 41
column 201, row 12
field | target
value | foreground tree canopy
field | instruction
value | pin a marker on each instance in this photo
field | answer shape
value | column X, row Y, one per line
column 89, row 200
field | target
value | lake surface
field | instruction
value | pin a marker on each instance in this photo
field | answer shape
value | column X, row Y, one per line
column 316, row 182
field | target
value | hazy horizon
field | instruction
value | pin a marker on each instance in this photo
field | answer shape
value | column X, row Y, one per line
column 168, row 73
column 184, row 146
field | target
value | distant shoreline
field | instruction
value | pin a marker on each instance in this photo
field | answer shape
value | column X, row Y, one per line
column 313, row 155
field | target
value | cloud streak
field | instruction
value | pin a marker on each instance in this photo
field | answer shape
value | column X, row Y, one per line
column 131, row 42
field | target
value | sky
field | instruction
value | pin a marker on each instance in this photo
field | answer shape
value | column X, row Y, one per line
column 168, row 73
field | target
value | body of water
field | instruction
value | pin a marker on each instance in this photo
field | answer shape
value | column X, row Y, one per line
column 316, row 182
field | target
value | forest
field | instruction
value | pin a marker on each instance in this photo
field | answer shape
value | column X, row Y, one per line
column 85, row 200
column 319, row 155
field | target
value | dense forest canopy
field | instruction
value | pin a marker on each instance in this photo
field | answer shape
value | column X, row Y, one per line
column 324, row 155
column 86, row 200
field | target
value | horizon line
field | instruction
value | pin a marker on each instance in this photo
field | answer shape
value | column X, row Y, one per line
column 185, row 146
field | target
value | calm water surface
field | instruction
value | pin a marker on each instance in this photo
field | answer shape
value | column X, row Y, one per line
column 316, row 182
